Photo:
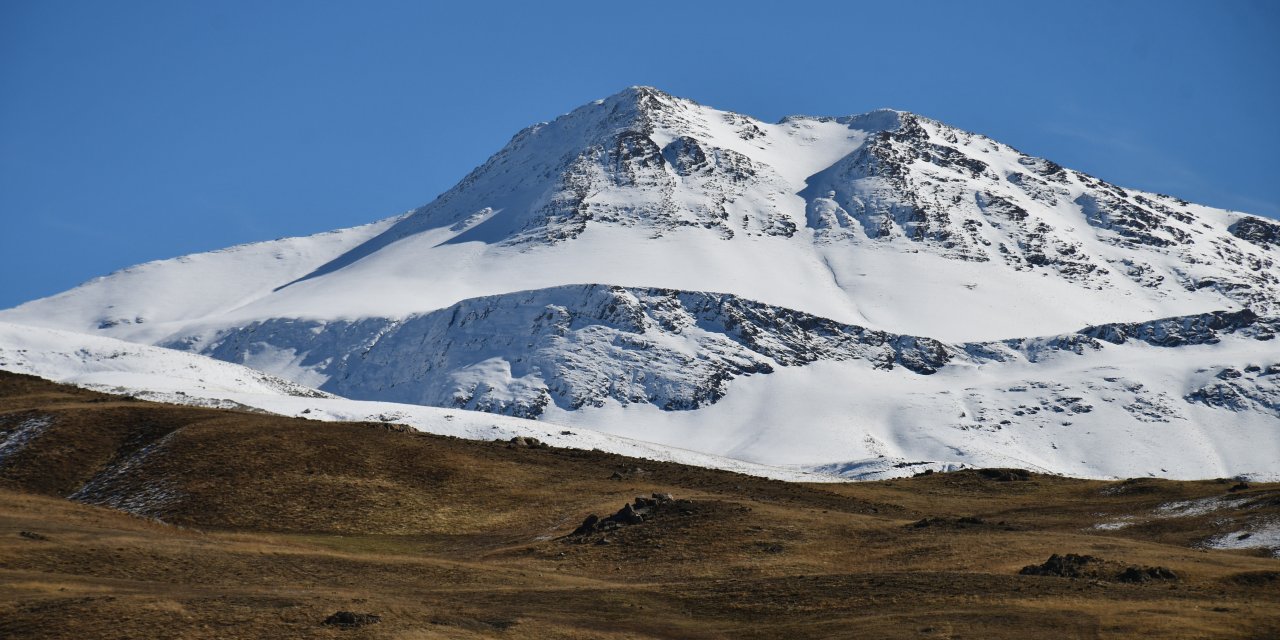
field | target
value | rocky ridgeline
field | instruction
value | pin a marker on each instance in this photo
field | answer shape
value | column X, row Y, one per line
column 573, row 346
column 923, row 182
column 645, row 159
column 578, row 346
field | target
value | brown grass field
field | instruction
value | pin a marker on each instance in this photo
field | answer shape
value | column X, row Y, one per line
column 201, row 523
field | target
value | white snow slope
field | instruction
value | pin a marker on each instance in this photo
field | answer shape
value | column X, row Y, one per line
column 828, row 246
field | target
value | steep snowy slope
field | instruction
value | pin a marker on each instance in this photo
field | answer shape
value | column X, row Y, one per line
column 165, row 375
column 819, row 291
column 108, row 364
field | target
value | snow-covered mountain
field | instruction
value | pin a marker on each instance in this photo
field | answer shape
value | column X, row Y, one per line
column 818, row 291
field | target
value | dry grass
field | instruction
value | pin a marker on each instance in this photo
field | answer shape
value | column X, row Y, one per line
column 271, row 524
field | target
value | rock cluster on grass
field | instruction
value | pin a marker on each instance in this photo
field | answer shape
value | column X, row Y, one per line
column 965, row 521
column 632, row 513
column 1146, row 574
column 526, row 442
column 1005, row 475
column 1065, row 566
column 350, row 619
column 630, row 472
column 1081, row 566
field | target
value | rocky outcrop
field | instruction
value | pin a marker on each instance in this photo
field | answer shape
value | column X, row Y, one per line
column 1259, row 231
column 635, row 512
column 1239, row 389
column 573, row 347
column 1082, row 566
column 1062, row 566
column 1205, row 328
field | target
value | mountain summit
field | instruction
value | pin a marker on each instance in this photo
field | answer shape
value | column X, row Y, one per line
column 839, row 291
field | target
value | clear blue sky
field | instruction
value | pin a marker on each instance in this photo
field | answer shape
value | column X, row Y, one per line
column 131, row 131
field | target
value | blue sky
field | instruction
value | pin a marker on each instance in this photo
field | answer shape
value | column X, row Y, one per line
column 132, row 131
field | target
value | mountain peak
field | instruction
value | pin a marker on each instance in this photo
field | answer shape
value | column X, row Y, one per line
column 644, row 96
column 640, row 107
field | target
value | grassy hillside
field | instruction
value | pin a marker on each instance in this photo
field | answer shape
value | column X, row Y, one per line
column 199, row 523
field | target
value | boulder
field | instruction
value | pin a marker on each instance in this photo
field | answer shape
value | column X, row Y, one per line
column 351, row 620
column 588, row 526
column 1145, row 574
column 527, row 442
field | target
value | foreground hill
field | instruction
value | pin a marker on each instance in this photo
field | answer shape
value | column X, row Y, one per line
column 196, row 522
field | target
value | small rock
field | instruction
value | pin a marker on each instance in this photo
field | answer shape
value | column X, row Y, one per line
column 1238, row 487
column 31, row 535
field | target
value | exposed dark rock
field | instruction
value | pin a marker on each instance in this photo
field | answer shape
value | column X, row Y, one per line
column 1204, row 328
column 1239, row 487
column 1253, row 389
column 1259, row 231
column 1134, row 224
column 351, row 620
column 1268, row 579
column 1064, row 566
column 31, row 535
column 527, row 442
column 632, row 513
column 948, row 523
column 588, row 526
column 1145, row 574
column 1005, row 475
column 1083, row 566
